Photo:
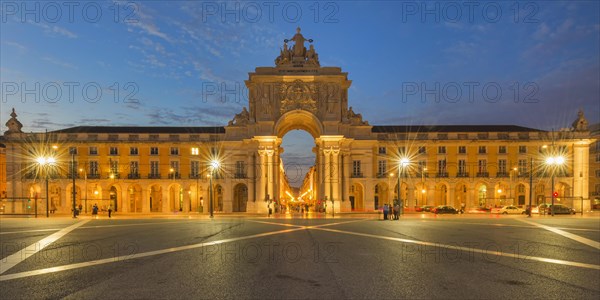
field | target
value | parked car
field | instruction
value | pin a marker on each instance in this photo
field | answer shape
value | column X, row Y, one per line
column 540, row 209
column 560, row 209
column 444, row 209
column 508, row 209
column 425, row 208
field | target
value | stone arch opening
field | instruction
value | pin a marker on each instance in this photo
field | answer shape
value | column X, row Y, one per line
column 298, row 119
column 134, row 193
column 240, row 197
column 357, row 197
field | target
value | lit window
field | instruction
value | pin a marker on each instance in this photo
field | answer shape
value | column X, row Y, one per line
column 195, row 151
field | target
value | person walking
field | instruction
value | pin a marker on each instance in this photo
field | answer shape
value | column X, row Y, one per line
column 397, row 211
column 109, row 211
column 385, row 211
column 95, row 211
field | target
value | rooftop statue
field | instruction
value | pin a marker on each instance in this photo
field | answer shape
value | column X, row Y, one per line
column 297, row 54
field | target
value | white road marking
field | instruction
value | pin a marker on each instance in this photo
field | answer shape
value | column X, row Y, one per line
column 139, row 255
column 507, row 225
column 300, row 227
column 569, row 235
column 469, row 249
column 21, row 255
column 29, row 231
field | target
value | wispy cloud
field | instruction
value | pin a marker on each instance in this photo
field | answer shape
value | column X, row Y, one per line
column 16, row 45
column 57, row 62
column 54, row 30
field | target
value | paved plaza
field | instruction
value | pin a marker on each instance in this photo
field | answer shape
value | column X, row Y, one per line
column 295, row 256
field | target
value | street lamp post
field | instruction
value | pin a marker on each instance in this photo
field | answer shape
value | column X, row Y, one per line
column 44, row 163
column 554, row 161
column 403, row 164
column 73, row 172
column 85, row 186
column 214, row 165
column 530, row 184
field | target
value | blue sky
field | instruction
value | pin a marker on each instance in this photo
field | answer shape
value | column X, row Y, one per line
column 159, row 55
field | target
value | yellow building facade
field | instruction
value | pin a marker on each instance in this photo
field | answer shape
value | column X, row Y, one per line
column 358, row 166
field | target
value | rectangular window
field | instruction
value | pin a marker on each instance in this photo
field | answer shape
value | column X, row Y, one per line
column 113, row 151
column 382, row 150
column 482, row 150
column 502, row 166
column 72, row 166
column 174, row 151
column 442, row 150
column 134, row 137
column 502, row 149
column 356, row 172
column 114, row 167
column 423, row 165
column 153, row 137
column 522, row 149
column 382, row 168
column 422, row 150
column 174, row 168
column 482, row 167
column 240, row 169
column 195, row 151
column 93, row 168
column 133, row 151
column 522, row 168
column 154, row 171
column 195, row 169
column 93, row 150
column 463, row 136
column 442, row 168
column 597, row 157
column 597, row 173
column 462, row 149
column 73, row 150
column 153, row 150
column 134, row 167
column 462, row 167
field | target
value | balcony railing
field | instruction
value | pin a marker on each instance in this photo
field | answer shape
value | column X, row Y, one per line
column 194, row 176
column 133, row 176
column 462, row 174
column 381, row 175
column 93, row 176
column 501, row 174
column 483, row 174
column 174, row 176
column 240, row 175
column 356, row 175
column 441, row 174
column 153, row 176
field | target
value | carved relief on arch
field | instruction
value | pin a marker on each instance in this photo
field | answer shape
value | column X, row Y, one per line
column 298, row 95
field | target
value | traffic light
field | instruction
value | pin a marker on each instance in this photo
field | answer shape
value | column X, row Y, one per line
column 555, row 194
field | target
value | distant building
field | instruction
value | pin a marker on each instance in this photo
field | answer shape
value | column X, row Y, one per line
column 358, row 165
column 595, row 166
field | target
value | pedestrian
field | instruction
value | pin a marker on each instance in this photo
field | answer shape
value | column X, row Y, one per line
column 397, row 211
column 80, row 207
column 109, row 210
column 95, row 211
column 385, row 211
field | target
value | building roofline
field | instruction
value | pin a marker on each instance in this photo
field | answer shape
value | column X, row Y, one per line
column 450, row 128
column 143, row 129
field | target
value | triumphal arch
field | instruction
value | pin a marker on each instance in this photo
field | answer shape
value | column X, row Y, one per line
column 298, row 93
